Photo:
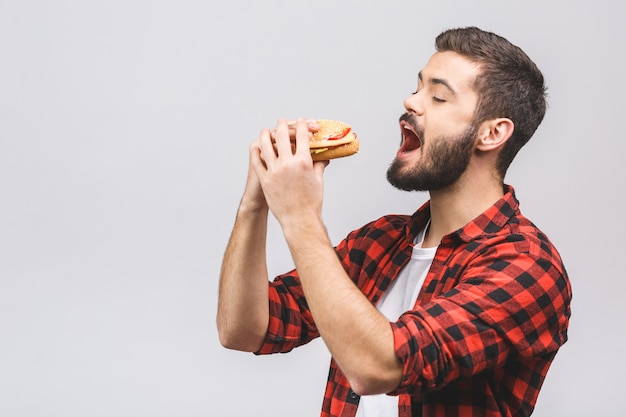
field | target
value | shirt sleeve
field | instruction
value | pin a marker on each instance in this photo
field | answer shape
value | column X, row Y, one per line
column 291, row 323
column 507, row 305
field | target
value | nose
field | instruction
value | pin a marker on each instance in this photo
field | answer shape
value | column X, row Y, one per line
column 413, row 104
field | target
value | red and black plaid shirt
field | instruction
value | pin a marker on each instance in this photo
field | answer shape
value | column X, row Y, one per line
column 491, row 315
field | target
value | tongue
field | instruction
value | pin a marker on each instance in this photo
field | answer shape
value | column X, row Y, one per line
column 410, row 142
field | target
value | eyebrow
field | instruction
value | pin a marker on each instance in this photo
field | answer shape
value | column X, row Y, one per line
column 440, row 81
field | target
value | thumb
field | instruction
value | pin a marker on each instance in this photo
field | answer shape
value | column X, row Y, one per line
column 319, row 167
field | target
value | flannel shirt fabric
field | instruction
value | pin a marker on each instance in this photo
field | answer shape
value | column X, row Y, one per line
column 491, row 315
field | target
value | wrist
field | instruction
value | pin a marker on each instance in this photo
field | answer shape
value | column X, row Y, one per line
column 304, row 231
column 252, row 208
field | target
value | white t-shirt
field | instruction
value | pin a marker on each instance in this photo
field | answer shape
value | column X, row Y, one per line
column 400, row 297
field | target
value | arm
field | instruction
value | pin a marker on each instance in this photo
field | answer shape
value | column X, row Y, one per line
column 509, row 312
column 357, row 335
column 243, row 312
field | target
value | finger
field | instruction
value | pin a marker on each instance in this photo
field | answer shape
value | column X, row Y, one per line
column 265, row 146
column 312, row 124
column 283, row 143
column 303, row 137
column 255, row 153
column 319, row 167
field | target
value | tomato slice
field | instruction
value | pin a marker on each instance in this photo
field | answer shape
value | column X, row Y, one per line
column 340, row 135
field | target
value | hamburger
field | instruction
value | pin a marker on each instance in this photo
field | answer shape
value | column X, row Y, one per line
column 334, row 139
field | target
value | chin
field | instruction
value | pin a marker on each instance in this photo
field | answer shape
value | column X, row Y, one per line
column 403, row 177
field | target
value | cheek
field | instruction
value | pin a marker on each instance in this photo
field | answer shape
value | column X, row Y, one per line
column 448, row 124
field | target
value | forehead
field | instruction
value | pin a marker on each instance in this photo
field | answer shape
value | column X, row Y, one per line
column 454, row 69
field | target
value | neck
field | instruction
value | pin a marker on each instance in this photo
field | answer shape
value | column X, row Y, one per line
column 453, row 207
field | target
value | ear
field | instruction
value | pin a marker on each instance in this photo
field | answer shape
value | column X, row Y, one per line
column 494, row 133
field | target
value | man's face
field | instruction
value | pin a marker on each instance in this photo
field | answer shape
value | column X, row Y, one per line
column 438, row 135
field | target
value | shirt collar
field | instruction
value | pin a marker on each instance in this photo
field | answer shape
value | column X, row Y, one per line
column 490, row 221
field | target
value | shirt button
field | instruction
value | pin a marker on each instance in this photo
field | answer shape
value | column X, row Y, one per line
column 353, row 397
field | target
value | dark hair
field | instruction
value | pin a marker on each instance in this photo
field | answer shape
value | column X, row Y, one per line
column 509, row 84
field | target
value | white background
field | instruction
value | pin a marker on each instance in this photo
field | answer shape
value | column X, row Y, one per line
column 124, row 130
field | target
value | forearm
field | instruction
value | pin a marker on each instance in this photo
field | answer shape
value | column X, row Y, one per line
column 357, row 335
column 243, row 311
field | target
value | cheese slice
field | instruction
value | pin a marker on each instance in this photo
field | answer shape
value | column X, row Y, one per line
column 332, row 142
column 318, row 150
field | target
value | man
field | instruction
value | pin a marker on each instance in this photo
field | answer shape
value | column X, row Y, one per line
column 457, row 310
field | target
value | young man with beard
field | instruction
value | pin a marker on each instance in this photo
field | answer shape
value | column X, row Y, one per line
column 457, row 310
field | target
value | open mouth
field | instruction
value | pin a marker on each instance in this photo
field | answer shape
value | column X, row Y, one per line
column 411, row 139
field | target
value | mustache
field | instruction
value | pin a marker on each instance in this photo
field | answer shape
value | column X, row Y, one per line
column 406, row 117
column 411, row 119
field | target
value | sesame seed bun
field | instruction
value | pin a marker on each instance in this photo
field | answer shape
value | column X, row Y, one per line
column 334, row 139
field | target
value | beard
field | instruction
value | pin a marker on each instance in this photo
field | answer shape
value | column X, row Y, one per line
column 446, row 160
